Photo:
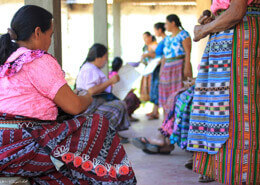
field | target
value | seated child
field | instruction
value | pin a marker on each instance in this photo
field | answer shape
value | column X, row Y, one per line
column 132, row 101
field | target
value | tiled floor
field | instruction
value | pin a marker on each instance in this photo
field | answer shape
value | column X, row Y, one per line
column 157, row 169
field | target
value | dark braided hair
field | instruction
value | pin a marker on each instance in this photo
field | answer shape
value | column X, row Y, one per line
column 175, row 18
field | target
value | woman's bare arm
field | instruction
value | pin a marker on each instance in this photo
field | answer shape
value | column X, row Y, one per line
column 187, row 64
column 70, row 103
column 226, row 20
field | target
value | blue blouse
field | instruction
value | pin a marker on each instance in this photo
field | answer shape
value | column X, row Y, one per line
column 159, row 49
column 173, row 45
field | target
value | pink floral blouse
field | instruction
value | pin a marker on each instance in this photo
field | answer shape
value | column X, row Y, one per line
column 29, row 81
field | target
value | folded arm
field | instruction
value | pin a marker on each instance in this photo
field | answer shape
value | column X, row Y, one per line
column 226, row 20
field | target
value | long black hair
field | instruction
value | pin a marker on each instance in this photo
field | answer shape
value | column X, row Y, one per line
column 160, row 25
column 117, row 64
column 150, row 35
column 23, row 25
column 96, row 51
column 176, row 19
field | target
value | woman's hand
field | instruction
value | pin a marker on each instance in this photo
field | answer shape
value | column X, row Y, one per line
column 199, row 32
column 115, row 79
column 229, row 18
column 187, row 71
column 143, row 56
column 204, row 19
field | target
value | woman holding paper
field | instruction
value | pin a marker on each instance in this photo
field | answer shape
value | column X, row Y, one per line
column 92, row 80
column 148, row 84
column 177, row 66
column 159, row 31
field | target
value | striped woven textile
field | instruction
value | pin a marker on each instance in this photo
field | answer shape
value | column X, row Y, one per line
column 182, row 118
column 116, row 112
column 209, row 120
column 83, row 150
column 170, row 80
column 238, row 161
column 167, row 125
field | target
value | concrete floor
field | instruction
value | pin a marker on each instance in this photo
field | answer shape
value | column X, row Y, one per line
column 157, row 169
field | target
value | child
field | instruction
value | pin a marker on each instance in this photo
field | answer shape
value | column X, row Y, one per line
column 132, row 101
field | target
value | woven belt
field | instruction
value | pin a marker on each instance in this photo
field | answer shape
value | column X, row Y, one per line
column 16, row 124
column 175, row 58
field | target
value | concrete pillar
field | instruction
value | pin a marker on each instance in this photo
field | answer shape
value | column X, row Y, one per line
column 117, row 27
column 201, row 6
column 101, row 25
column 53, row 6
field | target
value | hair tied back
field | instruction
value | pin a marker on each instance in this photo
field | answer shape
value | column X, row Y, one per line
column 12, row 34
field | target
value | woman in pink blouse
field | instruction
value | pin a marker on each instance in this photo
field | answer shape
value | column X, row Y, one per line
column 80, row 150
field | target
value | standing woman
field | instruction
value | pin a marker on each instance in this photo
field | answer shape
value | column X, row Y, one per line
column 148, row 53
column 176, row 66
column 159, row 30
column 34, row 144
column 224, row 126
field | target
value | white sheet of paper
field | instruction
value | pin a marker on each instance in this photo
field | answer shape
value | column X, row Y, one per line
column 128, row 75
column 153, row 63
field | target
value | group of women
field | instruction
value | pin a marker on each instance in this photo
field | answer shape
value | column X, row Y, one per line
column 174, row 51
column 218, row 118
column 52, row 135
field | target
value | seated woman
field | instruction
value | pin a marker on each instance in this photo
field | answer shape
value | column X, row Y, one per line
column 132, row 101
column 95, row 82
column 81, row 150
column 176, row 125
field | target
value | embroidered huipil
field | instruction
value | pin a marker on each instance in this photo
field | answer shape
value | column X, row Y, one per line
column 30, row 92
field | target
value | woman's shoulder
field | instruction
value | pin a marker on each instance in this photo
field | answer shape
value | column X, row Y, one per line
column 89, row 67
column 22, row 59
column 184, row 33
column 42, row 59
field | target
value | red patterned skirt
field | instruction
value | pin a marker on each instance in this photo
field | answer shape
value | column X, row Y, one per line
column 81, row 150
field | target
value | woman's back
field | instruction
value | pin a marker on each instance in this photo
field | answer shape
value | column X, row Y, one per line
column 30, row 92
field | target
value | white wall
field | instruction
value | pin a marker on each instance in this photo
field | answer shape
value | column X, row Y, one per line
column 77, row 30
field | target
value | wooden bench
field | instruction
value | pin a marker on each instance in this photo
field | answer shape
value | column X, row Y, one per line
column 13, row 181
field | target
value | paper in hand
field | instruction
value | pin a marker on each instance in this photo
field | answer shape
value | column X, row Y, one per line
column 128, row 75
column 153, row 63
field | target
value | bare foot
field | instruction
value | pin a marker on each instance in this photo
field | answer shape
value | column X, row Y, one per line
column 159, row 140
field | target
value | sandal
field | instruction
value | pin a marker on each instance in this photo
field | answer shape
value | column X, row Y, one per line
column 139, row 143
column 155, row 149
column 205, row 179
column 149, row 148
column 153, row 117
column 189, row 164
column 132, row 119
column 149, row 114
